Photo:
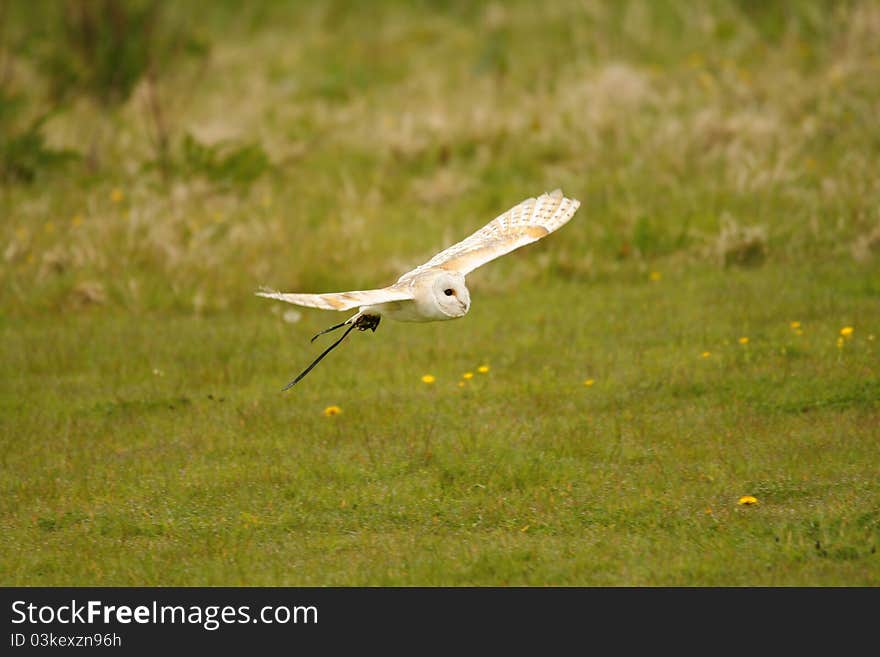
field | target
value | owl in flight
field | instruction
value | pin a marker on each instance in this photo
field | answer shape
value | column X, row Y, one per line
column 436, row 290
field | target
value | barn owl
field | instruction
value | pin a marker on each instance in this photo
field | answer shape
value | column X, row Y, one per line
column 436, row 290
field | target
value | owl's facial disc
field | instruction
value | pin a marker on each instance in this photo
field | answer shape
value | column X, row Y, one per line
column 451, row 295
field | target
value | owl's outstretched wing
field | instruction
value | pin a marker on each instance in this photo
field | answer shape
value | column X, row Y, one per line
column 341, row 300
column 522, row 224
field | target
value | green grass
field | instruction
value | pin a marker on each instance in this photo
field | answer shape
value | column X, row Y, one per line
column 728, row 149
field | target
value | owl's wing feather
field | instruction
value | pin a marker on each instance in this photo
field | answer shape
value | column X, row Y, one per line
column 522, row 224
column 342, row 300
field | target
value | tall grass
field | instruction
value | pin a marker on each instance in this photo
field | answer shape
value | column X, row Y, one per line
column 724, row 155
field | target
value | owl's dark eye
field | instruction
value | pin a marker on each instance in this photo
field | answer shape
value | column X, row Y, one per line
column 448, row 292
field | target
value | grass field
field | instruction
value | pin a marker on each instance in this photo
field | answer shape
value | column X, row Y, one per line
column 706, row 328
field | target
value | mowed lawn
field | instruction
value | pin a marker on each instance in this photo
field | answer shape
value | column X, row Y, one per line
column 681, row 387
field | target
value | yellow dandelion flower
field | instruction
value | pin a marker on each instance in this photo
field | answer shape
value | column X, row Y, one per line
column 117, row 195
column 655, row 275
column 747, row 500
column 467, row 375
column 589, row 382
column 743, row 340
column 76, row 220
column 428, row 378
column 795, row 325
column 332, row 410
column 706, row 354
column 847, row 331
column 482, row 369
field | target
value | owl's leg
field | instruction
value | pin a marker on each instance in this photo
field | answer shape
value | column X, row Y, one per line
column 362, row 322
column 370, row 322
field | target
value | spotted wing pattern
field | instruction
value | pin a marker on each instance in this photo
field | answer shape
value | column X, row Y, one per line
column 523, row 224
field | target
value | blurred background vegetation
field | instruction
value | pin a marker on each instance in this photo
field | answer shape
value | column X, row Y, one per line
column 161, row 155
column 705, row 328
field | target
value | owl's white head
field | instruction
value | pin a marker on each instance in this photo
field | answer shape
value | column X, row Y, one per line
column 448, row 296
